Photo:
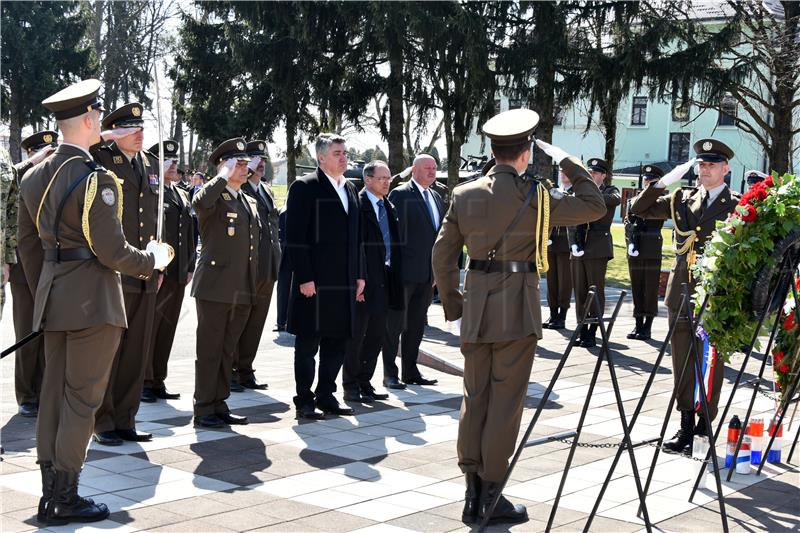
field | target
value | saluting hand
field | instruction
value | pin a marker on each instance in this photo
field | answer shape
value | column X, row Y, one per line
column 360, row 283
column 308, row 289
column 42, row 154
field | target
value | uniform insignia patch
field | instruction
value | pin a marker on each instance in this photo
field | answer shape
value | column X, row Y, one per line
column 231, row 231
column 152, row 179
column 117, row 159
column 240, row 145
column 47, row 138
column 233, row 215
column 226, row 197
column 108, row 196
column 707, row 145
column 647, row 169
column 136, row 111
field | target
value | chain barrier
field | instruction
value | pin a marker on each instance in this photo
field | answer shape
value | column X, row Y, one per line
column 609, row 445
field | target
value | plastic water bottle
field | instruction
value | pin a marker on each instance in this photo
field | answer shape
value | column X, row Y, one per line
column 734, row 428
column 756, row 432
column 774, row 455
column 699, row 452
column 743, row 459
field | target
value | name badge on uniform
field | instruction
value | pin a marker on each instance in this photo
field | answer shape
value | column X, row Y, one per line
column 231, row 229
column 226, row 197
column 233, row 215
column 117, row 159
column 153, row 179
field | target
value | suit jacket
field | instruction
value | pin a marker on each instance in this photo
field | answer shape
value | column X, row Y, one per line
column 644, row 234
column 417, row 232
column 323, row 243
column 499, row 307
column 140, row 179
column 269, row 248
column 652, row 203
column 228, row 265
column 179, row 233
column 74, row 295
column 595, row 238
column 384, row 289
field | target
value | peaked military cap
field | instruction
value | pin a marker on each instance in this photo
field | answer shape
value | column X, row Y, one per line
column 75, row 100
column 170, row 149
column 127, row 116
column 257, row 148
column 598, row 165
column 511, row 127
column 712, row 151
column 652, row 172
column 39, row 140
column 235, row 148
column 755, row 176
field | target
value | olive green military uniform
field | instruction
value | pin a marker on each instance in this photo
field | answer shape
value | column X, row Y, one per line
column 559, row 276
column 78, row 302
column 139, row 177
column 644, row 245
column 500, row 312
column 224, row 287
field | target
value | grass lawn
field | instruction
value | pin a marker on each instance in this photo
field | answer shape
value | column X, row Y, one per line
column 617, row 274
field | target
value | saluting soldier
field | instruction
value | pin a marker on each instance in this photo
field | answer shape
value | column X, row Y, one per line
column 592, row 248
column 178, row 231
column 121, row 152
column 645, row 242
column 29, row 364
column 225, row 280
column 70, row 214
column 269, row 259
column 694, row 214
column 500, row 217
column 559, row 275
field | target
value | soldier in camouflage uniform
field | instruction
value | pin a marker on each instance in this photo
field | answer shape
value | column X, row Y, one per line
column 8, row 221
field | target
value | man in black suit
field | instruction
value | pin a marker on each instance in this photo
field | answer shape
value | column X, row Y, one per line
column 420, row 211
column 284, row 274
column 324, row 246
column 384, row 288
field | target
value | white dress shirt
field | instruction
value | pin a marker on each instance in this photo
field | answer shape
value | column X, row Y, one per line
column 374, row 201
column 340, row 190
column 712, row 193
column 431, row 202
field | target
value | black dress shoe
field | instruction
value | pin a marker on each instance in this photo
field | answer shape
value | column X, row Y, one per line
column 236, row 387
column 163, row 394
column 393, row 383
column 209, row 421
column 337, row 410
column 28, row 410
column 280, row 327
column 254, row 385
column 310, row 413
column 232, row 419
column 369, row 390
column 356, row 396
column 134, row 436
column 107, row 438
column 421, row 381
column 148, row 396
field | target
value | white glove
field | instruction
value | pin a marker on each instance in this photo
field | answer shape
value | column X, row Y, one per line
column 118, row 133
column 549, row 242
column 633, row 252
column 576, row 252
column 162, row 252
column 168, row 163
column 455, row 326
column 555, row 153
column 405, row 173
column 253, row 164
column 676, row 173
column 41, row 155
column 225, row 168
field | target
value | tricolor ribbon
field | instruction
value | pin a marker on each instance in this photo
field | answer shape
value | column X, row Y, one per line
column 707, row 365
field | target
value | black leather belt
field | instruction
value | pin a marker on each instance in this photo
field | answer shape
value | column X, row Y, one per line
column 68, row 254
column 501, row 266
column 599, row 227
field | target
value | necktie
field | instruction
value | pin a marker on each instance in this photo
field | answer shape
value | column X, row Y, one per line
column 427, row 197
column 383, row 222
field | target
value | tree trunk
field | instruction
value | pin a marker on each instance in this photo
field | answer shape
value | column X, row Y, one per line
column 291, row 153
column 177, row 133
column 394, row 92
column 608, row 118
column 15, row 127
column 785, row 60
column 453, row 152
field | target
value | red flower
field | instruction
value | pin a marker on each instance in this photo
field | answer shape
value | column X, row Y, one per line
column 784, row 368
column 768, row 182
column 746, row 198
column 797, row 283
column 761, row 194
column 789, row 323
column 751, row 214
column 777, row 359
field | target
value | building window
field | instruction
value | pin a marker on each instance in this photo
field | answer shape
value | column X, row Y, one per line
column 727, row 112
column 678, row 147
column 639, row 111
column 680, row 111
column 558, row 116
column 514, row 103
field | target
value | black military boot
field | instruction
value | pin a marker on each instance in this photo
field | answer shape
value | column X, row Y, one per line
column 48, row 484
column 590, row 341
column 560, row 321
column 67, row 506
column 700, row 428
column 647, row 326
column 637, row 330
column 471, row 497
column 548, row 324
column 682, row 441
column 504, row 511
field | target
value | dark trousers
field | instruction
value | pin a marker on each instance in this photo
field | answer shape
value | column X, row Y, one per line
column 219, row 327
column 284, row 285
column 29, row 360
column 645, row 276
column 331, row 355
column 362, row 352
column 251, row 336
column 559, row 280
column 121, row 402
column 410, row 323
column 585, row 273
column 169, row 300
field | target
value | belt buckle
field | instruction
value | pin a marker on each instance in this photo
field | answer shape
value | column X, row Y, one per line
column 489, row 260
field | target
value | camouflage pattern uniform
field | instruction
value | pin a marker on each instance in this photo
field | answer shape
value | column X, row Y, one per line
column 9, row 193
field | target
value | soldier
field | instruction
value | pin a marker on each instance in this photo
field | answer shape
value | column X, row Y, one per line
column 694, row 214
column 225, row 280
column 121, row 152
column 498, row 217
column 592, row 248
column 8, row 200
column 269, row 258
column 753, row 177
column 29, row 364
column 559, row 276
column 645, row 242
column 178, row 232
column 70, row 215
